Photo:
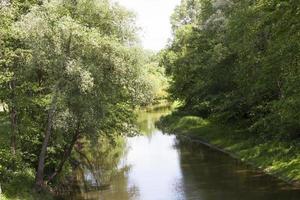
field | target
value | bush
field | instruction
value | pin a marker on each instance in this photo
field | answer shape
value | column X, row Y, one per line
column 189, row 122
column 9, row 165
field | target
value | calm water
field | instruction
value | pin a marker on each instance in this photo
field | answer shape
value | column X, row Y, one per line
column 158, row 167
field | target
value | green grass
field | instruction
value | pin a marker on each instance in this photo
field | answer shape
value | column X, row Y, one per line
column 279, row 158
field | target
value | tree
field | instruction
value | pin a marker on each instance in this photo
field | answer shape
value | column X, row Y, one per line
column 234, row 60
column 77, row 73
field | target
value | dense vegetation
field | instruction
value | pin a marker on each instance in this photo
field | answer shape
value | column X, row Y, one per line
column 235, row 69
column 70, row 71
column 238, row 61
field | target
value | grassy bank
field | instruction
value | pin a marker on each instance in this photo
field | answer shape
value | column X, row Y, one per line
column 278, row 158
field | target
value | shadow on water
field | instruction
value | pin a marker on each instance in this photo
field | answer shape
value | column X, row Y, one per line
column 101, row 170
column 154, row 166
column 211, row 175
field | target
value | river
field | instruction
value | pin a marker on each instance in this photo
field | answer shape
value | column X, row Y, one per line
column 159, row 167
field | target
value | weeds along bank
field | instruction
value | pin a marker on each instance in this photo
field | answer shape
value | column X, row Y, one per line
column 275, row 157
column 237, row 63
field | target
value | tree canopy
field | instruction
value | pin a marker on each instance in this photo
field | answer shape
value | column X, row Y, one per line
column 238, row 61
column 68, row 70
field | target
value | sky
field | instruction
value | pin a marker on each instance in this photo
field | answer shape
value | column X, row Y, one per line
column 153, row 16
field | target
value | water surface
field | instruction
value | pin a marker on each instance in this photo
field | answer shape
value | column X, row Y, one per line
column 159, row 167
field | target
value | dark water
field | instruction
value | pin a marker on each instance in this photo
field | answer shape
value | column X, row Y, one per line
column 158, row 167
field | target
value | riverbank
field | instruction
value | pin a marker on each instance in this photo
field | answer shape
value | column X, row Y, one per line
column 277, row 158
column 159, row 105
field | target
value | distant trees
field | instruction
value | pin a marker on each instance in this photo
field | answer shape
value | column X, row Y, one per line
column 155, row 75
column 68, row 70
column 238, row 61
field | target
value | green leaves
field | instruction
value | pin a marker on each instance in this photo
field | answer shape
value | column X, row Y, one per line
column 9, row 165
column 73, row 69
column 241, row 59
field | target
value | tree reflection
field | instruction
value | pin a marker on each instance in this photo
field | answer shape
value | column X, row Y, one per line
column 210, row 175
column 102, row 170
column 146, row 120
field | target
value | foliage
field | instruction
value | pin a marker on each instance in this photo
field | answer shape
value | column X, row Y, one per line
column 68, row 70
column 157, row 83
column 9, row 165
column 238, row 61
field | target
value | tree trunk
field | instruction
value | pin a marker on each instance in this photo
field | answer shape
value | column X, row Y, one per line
column 67, row 153
column 13, row 118
column 13, row 137
column 39, row 182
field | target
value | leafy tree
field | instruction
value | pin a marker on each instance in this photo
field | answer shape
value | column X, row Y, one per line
column 69, row 70
column 237, row 61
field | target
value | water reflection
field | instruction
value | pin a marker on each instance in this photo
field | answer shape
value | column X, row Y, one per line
column 155, row 166
column 102, row 168
column 211, row 175
column 146, row 120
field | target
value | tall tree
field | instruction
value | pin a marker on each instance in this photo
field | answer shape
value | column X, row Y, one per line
column 83, row 72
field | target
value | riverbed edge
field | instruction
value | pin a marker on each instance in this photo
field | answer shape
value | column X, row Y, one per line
column 191, row 130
